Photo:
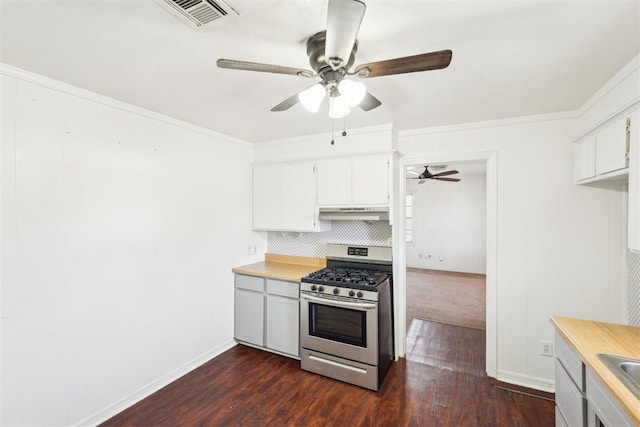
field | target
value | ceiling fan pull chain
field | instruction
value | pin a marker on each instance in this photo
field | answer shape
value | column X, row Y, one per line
column 332, row 140
column 344, row 126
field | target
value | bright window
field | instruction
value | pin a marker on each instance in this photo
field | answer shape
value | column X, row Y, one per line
column 409, row 218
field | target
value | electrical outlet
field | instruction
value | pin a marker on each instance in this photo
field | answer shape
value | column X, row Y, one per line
column 546, row 348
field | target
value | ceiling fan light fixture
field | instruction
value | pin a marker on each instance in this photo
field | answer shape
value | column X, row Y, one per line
column 338, row 107
column 353, row 92
column 312, row 97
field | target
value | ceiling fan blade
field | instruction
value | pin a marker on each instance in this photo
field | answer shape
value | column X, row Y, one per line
column 408, row 64
column 422, row 181
column 446, row 179
column 445, row 173
column 232, row 64
column 343, row 22
column 370, row 102
column 287, row 103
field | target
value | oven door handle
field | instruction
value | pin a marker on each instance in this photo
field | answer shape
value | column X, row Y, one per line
column 338, row 303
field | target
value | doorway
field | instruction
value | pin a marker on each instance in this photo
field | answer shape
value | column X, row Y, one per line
column 445, row 229
column 489, row 159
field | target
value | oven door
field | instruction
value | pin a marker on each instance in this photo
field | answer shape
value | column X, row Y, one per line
column 347, row 329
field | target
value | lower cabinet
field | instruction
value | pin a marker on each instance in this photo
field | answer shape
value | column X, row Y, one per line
column 267, row 314
column 580, row 398
column 249, row 309
column 602, row 410
column 570, row 386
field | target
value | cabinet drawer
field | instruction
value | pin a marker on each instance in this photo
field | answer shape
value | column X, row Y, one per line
column 570, row 361
column 251, row 283
column 569, row 400
column 285, row 289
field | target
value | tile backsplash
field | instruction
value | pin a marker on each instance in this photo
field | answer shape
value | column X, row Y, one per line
column 375, row 233
column 633, row 287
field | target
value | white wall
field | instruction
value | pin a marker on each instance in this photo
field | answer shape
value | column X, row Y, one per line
column 449, row 225
column 119, row 231
column 559, row 245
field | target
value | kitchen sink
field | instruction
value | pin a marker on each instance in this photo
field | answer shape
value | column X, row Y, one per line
column 627, row 370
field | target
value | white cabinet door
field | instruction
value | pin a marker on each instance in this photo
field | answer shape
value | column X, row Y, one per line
column 298, row 197
column 633, row 227
column 334, row 182
column 370, row 180
column 249, row 317
column 267, row 197
column 611, row 147
column 584, row 159
column 282, row 324
column 354, row 181
column 602, row 408
column 284, row 198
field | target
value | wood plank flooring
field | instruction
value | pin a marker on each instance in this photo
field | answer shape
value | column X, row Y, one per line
column 441, row 382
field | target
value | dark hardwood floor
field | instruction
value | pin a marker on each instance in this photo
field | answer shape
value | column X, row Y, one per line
column 442, row 382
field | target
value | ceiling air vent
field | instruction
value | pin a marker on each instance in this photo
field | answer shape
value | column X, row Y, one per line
column 199, row 14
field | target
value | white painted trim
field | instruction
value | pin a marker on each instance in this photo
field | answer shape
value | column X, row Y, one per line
column 312, row 159
column 59, row 86
column 527, row 381
column 327, row 135
column 400, row 258
column 512, row 121
column 618, row 78
column 115, row 408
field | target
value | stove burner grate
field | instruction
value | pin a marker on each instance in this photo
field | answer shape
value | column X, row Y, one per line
column 347, row 277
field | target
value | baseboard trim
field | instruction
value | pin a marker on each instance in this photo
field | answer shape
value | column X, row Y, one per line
column 522, row 390
column 512, row 381
column 444, row 272
column 148, row 389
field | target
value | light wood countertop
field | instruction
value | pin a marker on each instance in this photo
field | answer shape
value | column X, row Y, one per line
column 589, row 338
column 282, row 267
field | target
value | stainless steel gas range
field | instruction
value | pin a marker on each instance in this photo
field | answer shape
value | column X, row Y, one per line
column 346, row 316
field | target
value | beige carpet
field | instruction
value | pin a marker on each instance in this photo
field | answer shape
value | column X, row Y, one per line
column 447, row 297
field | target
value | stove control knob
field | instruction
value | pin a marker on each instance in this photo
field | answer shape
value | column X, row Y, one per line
column 336, row 291
column 320, row 288
column 351, row 293
column 314, row 287
column 360, row 294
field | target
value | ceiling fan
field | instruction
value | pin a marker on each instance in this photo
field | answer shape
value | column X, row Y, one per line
column 331, row 55
column 440, row 176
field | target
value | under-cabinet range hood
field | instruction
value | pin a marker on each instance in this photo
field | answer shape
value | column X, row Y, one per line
column 355, row 214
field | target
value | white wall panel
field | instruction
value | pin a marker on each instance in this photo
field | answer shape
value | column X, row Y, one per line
column 119, row 232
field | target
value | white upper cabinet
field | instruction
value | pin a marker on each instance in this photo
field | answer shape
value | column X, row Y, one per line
column 612, row 147
column 354, row 181
column 284, row 198
column 634, row 183
column 334, row 182
column 584, row 159
column 603, row 155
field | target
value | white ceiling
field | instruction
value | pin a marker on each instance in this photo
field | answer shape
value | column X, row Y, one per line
column 510, row 58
